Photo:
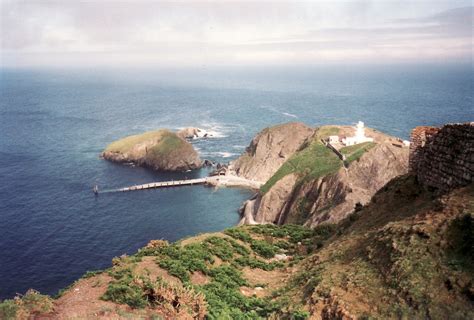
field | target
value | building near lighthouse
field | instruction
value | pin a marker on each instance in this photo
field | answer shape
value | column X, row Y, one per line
column 359, row 136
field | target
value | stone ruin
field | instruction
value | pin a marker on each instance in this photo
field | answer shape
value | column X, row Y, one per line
column 443, row 158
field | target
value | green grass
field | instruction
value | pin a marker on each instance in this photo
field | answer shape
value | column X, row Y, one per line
column 125, row 144
column 354, row 152
column 326, row 131
column 168, row 143
column 26, row 306
column 316, row 160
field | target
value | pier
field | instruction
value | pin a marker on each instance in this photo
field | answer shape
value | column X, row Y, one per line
column 164, row 184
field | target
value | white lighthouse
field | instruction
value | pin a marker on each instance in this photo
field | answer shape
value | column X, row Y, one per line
column 359, row 136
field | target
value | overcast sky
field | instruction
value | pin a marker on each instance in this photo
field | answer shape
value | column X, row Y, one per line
column 192, row 33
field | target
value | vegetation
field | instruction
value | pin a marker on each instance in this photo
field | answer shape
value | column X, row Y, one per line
column 405, row 255
column 26, row 306
column 354, row 152
column 169, row 142
column 313, row 161
column 461, row 243
column 125, row 144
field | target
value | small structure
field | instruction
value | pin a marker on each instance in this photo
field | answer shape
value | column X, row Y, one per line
column 359, row 136
column 333, row 139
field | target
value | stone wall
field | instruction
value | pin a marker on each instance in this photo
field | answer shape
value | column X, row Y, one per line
column 443, row 158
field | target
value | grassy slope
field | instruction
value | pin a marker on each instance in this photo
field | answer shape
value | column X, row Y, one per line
column 405, row 255
column 396, row 258
column 313, row 161
column 168, row 141
column 354, row 152
column 125, row 144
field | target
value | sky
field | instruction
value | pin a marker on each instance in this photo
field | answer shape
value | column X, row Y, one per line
column 225, row 33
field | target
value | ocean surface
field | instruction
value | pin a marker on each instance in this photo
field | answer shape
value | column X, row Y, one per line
column 54, row 124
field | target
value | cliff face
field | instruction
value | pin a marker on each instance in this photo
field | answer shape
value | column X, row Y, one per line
column 329, row 198
column 160, row 150
column 299, row 199
column 270, row 149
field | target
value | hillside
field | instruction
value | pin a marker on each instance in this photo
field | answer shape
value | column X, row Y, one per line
column 269, row 149
column 407, row 254
column 314, row 186
column 160, row 150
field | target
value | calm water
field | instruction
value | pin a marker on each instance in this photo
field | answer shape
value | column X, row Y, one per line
column 54, row 124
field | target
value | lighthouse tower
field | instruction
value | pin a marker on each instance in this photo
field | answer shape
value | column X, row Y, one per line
column 359, row 136
column 360, row 132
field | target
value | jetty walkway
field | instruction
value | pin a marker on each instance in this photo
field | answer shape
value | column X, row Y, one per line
column 164, row 184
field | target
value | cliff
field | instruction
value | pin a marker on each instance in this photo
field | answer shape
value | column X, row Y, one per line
column 314, row 186
column 160, row 150
column 269, row 150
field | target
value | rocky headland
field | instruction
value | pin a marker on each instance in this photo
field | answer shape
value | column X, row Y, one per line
column 304, row 182
column 161, row 150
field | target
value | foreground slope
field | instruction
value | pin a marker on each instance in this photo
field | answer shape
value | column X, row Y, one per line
column 407, row 254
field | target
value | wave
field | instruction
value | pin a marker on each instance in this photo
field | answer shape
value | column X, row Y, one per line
column 222, row 154
column 273, row 109
column 290, row 115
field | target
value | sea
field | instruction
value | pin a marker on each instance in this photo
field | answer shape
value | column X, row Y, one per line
column 55, row 122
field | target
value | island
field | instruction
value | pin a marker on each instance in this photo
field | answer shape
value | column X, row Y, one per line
column 161, row 150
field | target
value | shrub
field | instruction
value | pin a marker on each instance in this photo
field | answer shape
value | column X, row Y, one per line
column 125, row 293
column 175, row 268
column 253, row 263
column 220, row 247
column 263, row 248
column 90, row 274
column 239, row 234
column 8, row 309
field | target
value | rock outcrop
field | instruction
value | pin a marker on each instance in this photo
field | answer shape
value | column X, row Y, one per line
column 270, row 149
column 297, row 199
column 194, row 133
column 160, row 150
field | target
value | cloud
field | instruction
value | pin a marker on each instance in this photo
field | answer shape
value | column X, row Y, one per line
column 219, row 33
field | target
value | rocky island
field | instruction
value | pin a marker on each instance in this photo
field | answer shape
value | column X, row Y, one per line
column 364, row 231
column 161, row 150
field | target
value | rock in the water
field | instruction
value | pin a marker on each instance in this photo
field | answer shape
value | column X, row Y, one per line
column 160, row 150
column 189, row 133
column 194, row 133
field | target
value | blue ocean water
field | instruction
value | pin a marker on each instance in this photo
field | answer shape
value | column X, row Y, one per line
column 54, row 124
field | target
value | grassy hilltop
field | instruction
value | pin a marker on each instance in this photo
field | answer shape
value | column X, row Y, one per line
column 159, row 150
